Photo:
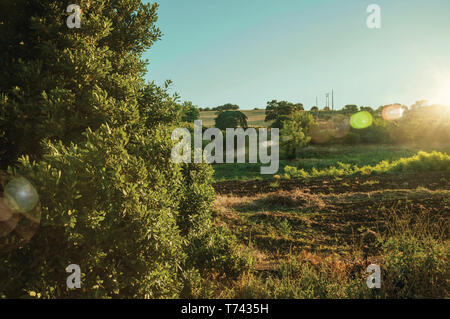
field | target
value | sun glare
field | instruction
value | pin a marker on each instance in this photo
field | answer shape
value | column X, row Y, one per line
column 443, row 94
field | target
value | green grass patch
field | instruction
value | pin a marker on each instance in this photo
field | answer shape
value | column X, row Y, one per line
column 421, row 162
column 323, row 157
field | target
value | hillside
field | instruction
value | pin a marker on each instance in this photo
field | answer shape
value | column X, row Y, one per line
column 255, row 118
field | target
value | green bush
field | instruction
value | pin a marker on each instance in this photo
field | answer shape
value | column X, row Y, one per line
column 422, row 161
column 416, row 256
column 377, row 133
column 299, row 279
column 294, row 132
column 217, row 252
column 210, row 249
column 106, row 209
column 79, row 122
column 196, row 198
column 416, row 268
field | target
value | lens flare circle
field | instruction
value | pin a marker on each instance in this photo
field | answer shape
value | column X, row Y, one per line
column 340, row 126
column 320, row 133
column 21, row 194
column 392, row 112
column 361, row 120
column 20, row 213
column 337, row 126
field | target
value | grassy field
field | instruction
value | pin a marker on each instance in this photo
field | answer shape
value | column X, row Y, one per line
column 314, row 238
column 321, row 157
column 255, row 118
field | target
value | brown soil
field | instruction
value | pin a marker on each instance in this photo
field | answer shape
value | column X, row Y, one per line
column 327, row 214
column 430, row 180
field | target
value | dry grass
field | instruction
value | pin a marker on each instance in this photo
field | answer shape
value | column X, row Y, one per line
column 279, row 199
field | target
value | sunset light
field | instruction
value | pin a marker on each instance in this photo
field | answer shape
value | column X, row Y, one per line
column 228, row 158
column 443, row 94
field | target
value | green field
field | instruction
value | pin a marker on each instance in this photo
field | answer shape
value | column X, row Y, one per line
column 313, row 238
column 321, row 157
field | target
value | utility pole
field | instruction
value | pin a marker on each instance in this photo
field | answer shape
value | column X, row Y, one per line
column 332, row 100
column 327, row 95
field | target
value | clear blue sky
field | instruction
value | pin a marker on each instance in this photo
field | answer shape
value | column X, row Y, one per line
column 248, row 52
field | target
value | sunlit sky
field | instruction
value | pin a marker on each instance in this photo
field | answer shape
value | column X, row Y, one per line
column 248, row 52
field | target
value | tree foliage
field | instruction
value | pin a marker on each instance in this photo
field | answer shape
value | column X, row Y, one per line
column 231, row 119
column 279, row 111
column 367, row 109
column 294, row 132
column 79, row 122
column 189, row 112
column 57, row 81
column 226, row 107
column 350, row 108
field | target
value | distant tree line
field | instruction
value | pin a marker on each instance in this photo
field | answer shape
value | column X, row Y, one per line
column 220, row 108
column 297, row 124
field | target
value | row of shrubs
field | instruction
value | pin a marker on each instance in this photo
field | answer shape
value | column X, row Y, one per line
column 421, row 162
